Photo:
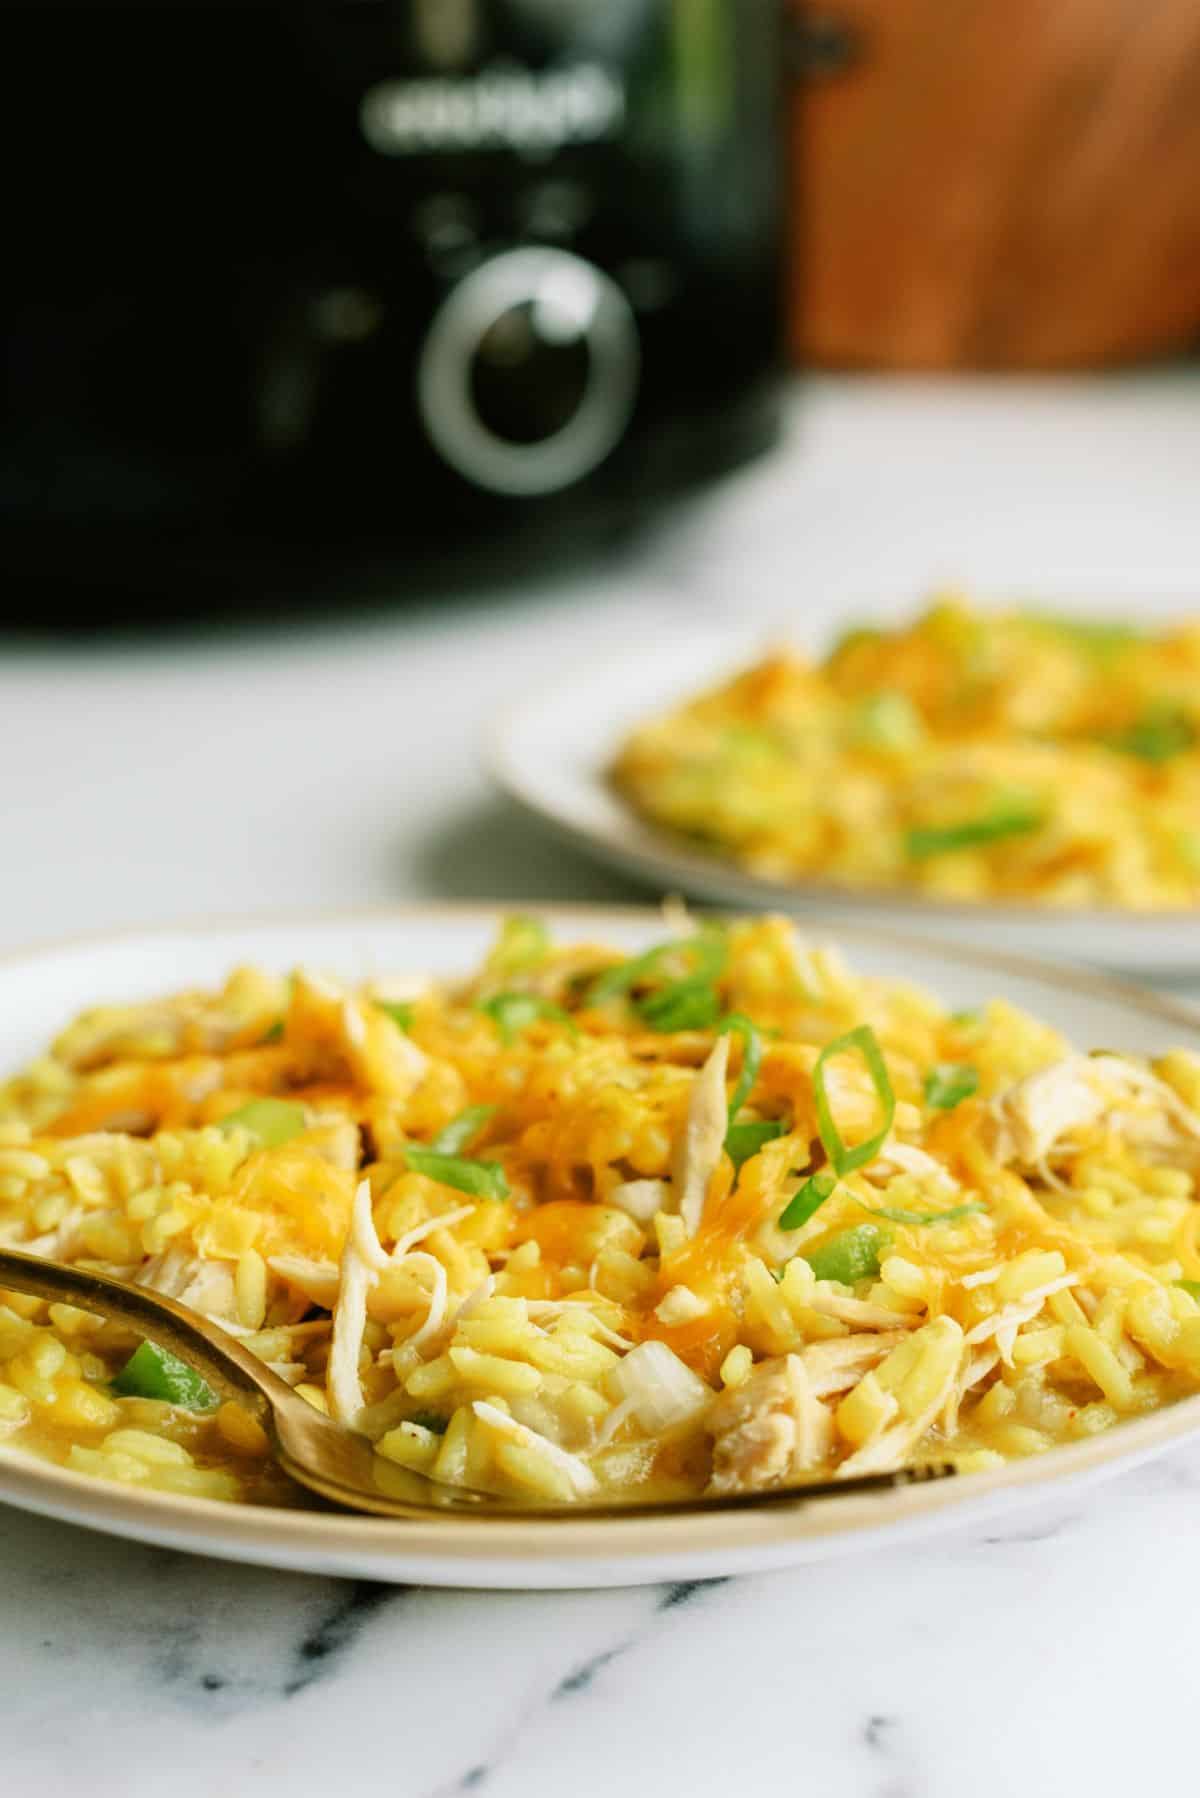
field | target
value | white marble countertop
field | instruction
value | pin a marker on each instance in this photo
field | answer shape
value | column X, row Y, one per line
column 337, row 763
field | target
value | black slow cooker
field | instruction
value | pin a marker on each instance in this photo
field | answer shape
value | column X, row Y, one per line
column 294, row 289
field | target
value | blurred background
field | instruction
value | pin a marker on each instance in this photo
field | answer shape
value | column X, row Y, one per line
column 998, row 186
column 368, row 361
column 293, row 290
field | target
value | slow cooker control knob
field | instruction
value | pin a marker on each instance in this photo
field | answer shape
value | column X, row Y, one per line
column 528, row 374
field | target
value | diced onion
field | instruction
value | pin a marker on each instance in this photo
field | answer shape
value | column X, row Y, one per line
column 663, row 1389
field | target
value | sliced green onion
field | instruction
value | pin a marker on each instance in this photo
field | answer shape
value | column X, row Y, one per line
column 740, row 1025
column 966, row 1020
column 692, row 1004
column 273, row 1035
column 948, row 1083
column 887, row 720
column 1092, row 635
column 753, row 741
column 462, row 1129
column 850, row 1256
column 1187, row 843
column 153, row 1372
column 895, row 1216
column 811, row 1196
column 706, row 954
column 430, row 1420
column 991, row 827
column 399, row 1010
column 844, row 1160
column 1159, row 734
column 742, row 1141
column 523, row 943
column 513, row 1012
column 855, row 637
column 481, row 1179
column 269, row 1121
column 1191, row 1287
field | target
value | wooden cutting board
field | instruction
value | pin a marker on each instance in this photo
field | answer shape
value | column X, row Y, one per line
column 998, row 183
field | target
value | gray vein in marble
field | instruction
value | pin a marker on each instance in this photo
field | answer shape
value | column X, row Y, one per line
column 670, row 1598
column 501, row 1750
column 683, row 1591
column 579, row 1680
column 338, row 1631
column 883, row 1737
column 176, row 1622
column 876, row 1730
column 1045, row 1529
column 581, row 1677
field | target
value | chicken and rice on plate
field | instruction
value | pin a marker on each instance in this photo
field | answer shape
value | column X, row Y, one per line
column 967, row 756
column 717, row 1217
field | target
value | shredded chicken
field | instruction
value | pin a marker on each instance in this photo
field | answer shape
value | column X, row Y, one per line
column 984, row 1276
column 975, row 1369
column 582, row 1480
column 698, row 1150
column 1013, row 1316
column 337, row 1144
column 893, row 1447
column 335, row 1033
column 400, row 988
column 840, row 1363
column 1039, row 1114
column 861, row 1312
column 317, row 1280
column 906, row 1158
column 641, row 1199
column 616, row 1417
column 420, row 1231
column 771, row 1428
column 159, row 1028
column 291, row 1371
column 551, row 1308
column 58, row 1244
column 362, row 1259
column 435, row 1317
column 207, row 1286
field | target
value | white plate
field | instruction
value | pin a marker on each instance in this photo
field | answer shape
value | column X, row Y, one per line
column 552, row 754
column 39, row 990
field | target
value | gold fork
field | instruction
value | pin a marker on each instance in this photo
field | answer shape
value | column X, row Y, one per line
column 331, row 1460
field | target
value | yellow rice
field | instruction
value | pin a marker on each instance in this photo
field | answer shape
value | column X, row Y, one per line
column 966, row 756
column 625, row 1297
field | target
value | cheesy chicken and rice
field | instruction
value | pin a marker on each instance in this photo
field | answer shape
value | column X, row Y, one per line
column 967, row 756
column 719, row 1216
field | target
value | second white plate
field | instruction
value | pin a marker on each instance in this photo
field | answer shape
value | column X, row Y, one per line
column 552, row 754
